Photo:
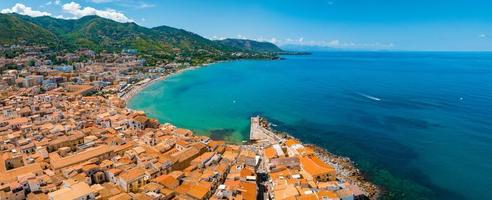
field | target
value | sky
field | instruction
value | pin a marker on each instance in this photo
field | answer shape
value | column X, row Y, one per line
column 413, row 25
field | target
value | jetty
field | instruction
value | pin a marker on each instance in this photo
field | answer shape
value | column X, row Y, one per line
column 261, row 133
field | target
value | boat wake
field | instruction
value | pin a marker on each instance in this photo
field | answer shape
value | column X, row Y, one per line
column 369, row 96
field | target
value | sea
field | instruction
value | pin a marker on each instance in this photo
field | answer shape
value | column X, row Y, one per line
column 419, row 124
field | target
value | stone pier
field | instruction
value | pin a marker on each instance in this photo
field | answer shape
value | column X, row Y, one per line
column 260, row 134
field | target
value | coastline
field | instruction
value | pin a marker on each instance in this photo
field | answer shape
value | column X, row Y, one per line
column 346, row 169
column 134, row 90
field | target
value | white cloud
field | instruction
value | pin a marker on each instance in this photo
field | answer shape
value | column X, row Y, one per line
column 64, row 17
column 56, row 2
column 101, row 1
column 242, row 37
column 334, row 43
column 217, row 38
column 143, row 5
column 483, row 35
column 25, row 10
column 77, row 11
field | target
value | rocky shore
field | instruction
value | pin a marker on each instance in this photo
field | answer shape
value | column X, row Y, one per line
column 347, row 171
column 345, row 167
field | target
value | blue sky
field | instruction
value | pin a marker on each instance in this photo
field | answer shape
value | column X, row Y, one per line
column 349, row 24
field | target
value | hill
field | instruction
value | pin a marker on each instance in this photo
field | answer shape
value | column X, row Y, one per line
column 14, row 29
column 251, row 45
column 101, row 34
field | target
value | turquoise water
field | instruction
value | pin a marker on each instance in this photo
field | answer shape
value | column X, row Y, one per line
column 420, row 124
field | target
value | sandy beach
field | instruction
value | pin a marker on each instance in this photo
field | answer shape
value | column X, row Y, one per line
column 137, row 87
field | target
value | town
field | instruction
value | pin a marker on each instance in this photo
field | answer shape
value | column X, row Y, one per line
column 66, row 133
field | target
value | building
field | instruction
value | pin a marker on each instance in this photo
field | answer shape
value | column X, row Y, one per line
column 132, row 180
column 32, row 80
column 316, row 170
column 64, row 68
column 101, row 152
column 77, row 191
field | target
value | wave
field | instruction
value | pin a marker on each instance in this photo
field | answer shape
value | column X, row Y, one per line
column 369, row 96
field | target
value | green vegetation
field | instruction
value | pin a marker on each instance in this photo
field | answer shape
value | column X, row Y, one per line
column 14, row 30
column 251, row 45
column 156, row 45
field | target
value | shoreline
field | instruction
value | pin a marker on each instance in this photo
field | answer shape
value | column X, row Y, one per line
column 134, row 90
column 127, row 96
column 346, row 168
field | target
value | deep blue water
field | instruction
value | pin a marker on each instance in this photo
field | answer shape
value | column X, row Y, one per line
column 418, row 123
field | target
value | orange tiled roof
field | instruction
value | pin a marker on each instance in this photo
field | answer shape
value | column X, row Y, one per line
column 183, row 188
column 270, row 152
column 182, row 131
column 315, row 167
column 247, row 172
column 132, row 174
column 291, row 142
column 248, row 190
column 308, row 197
column 327, row 194
column 200, row 190
column 80, row 157
column 167, row 181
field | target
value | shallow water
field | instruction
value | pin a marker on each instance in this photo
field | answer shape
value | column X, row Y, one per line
column 417, row 123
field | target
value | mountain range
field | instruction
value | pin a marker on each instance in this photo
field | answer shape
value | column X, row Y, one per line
column 100, row 34
column 250, row 45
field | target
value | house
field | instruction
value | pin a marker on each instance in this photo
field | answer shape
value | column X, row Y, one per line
column 183, row 132
column 201, row 160
column 183, row 158
column 76, row 138
column 132, row 180
column 16, row 123
column 12, row 175
column 316, row 170
column 328, row 195
column 200, row 191
column 13, row 191
column 289, row 162
column 32, row 80
column 11, row 161
column 167, row 181
column 138, row 122
column 100, row 152
column 77, row 191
